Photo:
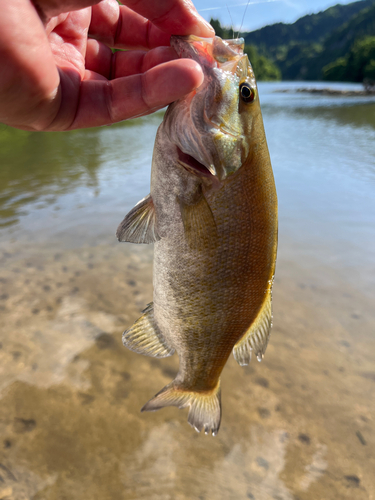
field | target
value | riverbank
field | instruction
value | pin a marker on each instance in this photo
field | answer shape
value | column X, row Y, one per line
column 330, row 92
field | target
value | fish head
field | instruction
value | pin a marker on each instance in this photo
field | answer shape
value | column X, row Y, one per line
column 212, row 126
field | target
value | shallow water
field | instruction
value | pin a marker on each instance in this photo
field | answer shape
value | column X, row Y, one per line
column 300, row 425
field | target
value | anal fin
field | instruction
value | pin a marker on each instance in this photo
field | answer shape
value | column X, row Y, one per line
column 257, row 336
column 144, row 337
column 139, row 225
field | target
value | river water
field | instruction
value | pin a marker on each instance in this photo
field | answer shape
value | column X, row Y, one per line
column 299, row 425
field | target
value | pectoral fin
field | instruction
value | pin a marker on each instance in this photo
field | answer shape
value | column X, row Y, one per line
column 144, row 337
column 257, row 336
column 139, row 226
column 199, row 223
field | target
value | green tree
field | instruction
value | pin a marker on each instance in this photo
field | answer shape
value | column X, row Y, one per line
column 264, row 69
column 222, row 31
column 336, row 71
column 357, row 65
column 369, row 71
column 361, row 58
column 301, row 50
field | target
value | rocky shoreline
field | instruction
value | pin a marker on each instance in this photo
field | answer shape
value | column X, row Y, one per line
column 332, row 92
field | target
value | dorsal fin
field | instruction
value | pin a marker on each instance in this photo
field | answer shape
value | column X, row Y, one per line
column 257, row 336
column 139, row 226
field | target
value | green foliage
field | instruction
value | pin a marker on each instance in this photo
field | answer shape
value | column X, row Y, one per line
column 311, row 28
column 357, row 65
column 325, row 40
column 369, row 71
column 336, row 71
column 359, row 26
column 300, row 61
column 222, row 31
column 264, row 69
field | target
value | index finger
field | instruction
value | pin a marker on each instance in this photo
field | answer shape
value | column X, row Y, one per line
column 120, row 27
column 123, row 27
column 176, row 17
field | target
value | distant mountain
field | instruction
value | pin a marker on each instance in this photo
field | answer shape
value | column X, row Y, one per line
column 301, row 50
column 359, row 26
column 311, row 28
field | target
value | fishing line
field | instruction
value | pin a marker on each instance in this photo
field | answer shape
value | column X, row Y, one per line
column 238, row 5
column 231, row 20
column 243, row 18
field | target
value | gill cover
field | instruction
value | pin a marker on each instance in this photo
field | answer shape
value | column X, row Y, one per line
column 213, row 123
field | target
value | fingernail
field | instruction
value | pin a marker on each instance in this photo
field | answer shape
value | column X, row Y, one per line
column 208, row 26
column 202, row 22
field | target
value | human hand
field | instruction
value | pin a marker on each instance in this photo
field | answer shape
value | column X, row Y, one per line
column 58, row 71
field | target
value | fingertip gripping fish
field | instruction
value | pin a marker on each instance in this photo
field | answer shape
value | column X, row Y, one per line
column 212, row 215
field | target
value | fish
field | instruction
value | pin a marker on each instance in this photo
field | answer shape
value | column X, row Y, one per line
column 212, row 216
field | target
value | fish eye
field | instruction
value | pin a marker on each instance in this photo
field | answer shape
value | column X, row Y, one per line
column 246, row 92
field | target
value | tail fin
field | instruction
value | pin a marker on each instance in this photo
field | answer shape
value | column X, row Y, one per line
column 205, row 407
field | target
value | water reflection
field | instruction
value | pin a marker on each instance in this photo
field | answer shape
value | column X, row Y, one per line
column 38, row 167
column 358, row 115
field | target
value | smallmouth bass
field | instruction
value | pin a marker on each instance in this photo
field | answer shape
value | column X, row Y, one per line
column 212, row 214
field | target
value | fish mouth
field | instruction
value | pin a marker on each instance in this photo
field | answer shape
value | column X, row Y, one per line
column 210, row 52
column 209, row 140
column 193, row 166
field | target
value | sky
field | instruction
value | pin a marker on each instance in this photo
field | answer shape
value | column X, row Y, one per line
column 260, row 12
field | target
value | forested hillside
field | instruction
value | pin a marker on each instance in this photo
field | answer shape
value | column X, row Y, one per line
column 351, row 49
column 310, row 28
column 335, row 44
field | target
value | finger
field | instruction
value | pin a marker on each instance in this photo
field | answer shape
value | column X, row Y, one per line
column 103, row 103
column 122, row 28
column 28, row 74
column 92, row 75
column 51, row 8
column 100, row 59
column 135, row 61
column 68, row 39
column 176, row 17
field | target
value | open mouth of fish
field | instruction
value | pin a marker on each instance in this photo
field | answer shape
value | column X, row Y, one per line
column 192, row 165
